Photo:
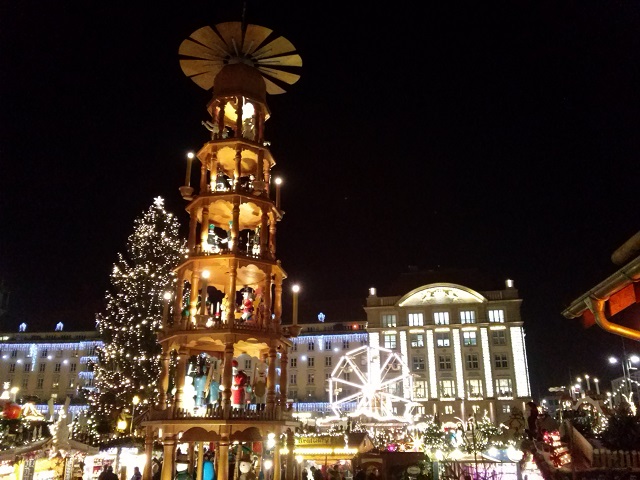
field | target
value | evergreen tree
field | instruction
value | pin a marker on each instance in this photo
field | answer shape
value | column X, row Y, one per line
column 623, row 429
column 129, row 363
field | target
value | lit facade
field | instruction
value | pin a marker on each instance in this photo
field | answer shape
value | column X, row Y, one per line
column 52, row 364
column 465, row 349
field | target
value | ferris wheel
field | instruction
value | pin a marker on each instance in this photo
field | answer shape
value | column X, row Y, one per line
column 377, row 380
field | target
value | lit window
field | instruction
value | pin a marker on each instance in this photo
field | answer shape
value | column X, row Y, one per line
column 474, row 387
column 504, row 387
column 467, row 316
column 496, row 316
column 419, row 389
column 469, row 339
column 389, row 320
column 506, row 408
column 417, row 340
column 498, row 337
column 472, row 361
column 390, row 340
column 442, row 339
column 500, row 360
column 448, row 410
column 415, row 319
column 418, row 363
column 444, row 362
column 441, row 318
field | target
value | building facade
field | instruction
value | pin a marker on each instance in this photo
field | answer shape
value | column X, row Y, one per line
column 464, row 349
column 53, row 364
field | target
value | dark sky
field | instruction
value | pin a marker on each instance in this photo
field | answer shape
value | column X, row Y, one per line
column 493, row 135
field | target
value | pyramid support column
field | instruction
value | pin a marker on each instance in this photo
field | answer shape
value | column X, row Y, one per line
column 163, row 381
column 264, row 232
column 204, row 226
column 148, row 453
column 203, row 178
column 277, row 460
column 226, row 380
column 277, row 302
column 235, row 227
column 200, row 460
column 271, row 381
column 181, row 372
column 193, row 300
column 291, row 466
column 222, row 456
column 284, row 363
column 231, row 295
column 169, row 460
column 237, row 170
column 272, row 239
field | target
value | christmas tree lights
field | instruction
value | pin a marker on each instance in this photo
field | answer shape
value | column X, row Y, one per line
column 129, row 362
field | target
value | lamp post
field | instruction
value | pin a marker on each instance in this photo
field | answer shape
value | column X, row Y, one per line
column 14, row 391
column 278, row 183
column 295, row 329
column 626, row 363
column 135, row 401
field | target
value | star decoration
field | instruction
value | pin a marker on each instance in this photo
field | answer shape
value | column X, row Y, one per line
column 158, row 201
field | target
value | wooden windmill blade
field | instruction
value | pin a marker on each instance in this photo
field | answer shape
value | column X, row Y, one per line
column 207, row 50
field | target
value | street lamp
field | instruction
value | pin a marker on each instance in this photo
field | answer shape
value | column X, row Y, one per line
column 135, row 401
column 14, row 391
column 295, row 329
column 626, row 364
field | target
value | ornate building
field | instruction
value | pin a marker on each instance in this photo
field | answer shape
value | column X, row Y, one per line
column 465, row 349
column 224, row 349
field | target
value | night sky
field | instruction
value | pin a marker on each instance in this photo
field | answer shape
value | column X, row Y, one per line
column 492, row 135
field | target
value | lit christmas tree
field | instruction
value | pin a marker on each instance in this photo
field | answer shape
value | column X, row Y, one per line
column 129, row 363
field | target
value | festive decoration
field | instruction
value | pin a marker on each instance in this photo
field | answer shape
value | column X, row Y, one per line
column 129, row 362
column 375, row 389
column 11, row 411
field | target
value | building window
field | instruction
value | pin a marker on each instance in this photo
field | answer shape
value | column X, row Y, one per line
column 25, row 382
column 72, row 382
column 498, row 337
column 346, row 376
column 467, row 316
column 312, row 362
column 44, row 353
column 12, row 368
column 389, row 340
column 441, row 318
column 73, row 367
column 345, row 344
column 294, row 348
column 311, row 346
column 293, row 379
column 27, row 367
column 496, row 316
column 58, row 353
column 247, row 364
column 444, row 362
column 474, row 387
column 40, row 383
column 389, row 320
column 503, row 387
column 472, row 361
column 443, row 339
column 417, row 340
column 293, row 362
column 327, row 361
column 91, row 352
column 14, row 353
column 327, row 344
column 448, row 410
column 506, row 408
column 500, row 360
column 419, row 389
column 311, row 379
column 469, row 339
column 418, row 363
column 42, row 367
column 57, row 367
column 416, row 320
